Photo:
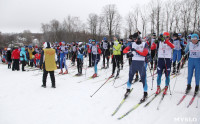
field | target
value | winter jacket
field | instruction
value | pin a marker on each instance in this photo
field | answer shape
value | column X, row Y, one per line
column 23, row 54
column 116, row 48
column 37, row 56
column 80, row 52
column 30, row 51
column 9, row 59
column 15, row 54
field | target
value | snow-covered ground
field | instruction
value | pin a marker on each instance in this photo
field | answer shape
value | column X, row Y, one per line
column 24, row 101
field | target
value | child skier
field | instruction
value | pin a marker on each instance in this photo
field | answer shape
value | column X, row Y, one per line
column 37, row 57
column 23, row 57
column 164, row 60
column 193, row 62
column 63, row 52
column 138, row 51
column 80, row 53
column 96, row 51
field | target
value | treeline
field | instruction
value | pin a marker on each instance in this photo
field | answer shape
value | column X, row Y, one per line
column 157, row 16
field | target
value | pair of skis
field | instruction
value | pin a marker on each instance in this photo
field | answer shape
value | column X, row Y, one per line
column 191, row 101
column 137, row 105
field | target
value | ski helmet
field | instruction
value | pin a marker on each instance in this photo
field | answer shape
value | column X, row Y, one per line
column 195, row 37
column 165, row 34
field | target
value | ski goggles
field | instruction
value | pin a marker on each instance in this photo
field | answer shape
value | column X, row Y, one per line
column 194, row 38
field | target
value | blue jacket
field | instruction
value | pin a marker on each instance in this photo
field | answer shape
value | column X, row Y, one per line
column 23, row 54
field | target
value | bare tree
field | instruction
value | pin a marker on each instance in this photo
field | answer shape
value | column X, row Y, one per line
column 144, row 20
column 93, row 23
column 101, row 27
column 196, row 4
column 130, row 23
column 110, row 13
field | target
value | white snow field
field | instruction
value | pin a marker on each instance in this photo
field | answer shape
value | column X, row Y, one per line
column 24, row 101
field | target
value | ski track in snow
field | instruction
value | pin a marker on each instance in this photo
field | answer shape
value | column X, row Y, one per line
column 24, row 101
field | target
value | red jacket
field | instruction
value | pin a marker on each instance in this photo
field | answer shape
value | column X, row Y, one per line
column 16, row 54
column 89, row 49
column 37, row 56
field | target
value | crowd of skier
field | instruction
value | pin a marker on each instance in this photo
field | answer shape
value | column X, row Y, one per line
column 160, row 53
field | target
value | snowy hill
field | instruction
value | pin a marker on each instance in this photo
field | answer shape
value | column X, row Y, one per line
column 24, row 101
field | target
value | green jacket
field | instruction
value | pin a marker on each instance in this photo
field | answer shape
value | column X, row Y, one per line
column 116, row 48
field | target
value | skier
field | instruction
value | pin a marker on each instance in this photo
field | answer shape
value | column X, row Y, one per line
column 48, row 61
column 63, row 52
column 96, row 51
column 138, row 51
column 187, row 54
column 122, row 54
column 153, row 52
column 129, row 40
column 23, row 57
column 193, row 62
column 178, row 44
column 37, row 57
column 9, row 60
column 89, row 53
column 73, row 53
column 105, row 50
column 164, row 60
column 116, row 56
column 80, row 53
column 15, row 57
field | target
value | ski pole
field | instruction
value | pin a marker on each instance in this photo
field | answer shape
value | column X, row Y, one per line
column 86, row 67
column 151, row 76
column 170, row 90
column 197, row 101
column 100, row 87
column 176, row 76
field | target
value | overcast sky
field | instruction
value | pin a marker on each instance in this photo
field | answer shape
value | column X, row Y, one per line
column 19, row 15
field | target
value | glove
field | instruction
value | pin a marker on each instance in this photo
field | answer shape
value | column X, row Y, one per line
column 130, row 54
column 133, row 49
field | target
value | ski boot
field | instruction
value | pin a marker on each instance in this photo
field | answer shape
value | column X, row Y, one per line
column 111, row 76
column 94, row 75
column 144, row 97
column 66, row 72
column 79, row 74
column 127, row 93
column 117, row 76
column 188, row 89
column 44, row 86
column 158, row 90
column 165, row 90
column 61, row 72
column 196, row 90
column 53, row 86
